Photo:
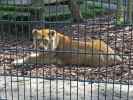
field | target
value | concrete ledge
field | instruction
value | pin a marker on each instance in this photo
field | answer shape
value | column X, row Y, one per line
column 33, row 88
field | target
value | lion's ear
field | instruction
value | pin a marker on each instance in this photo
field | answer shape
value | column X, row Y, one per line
column 52, row 33
column 34, row 31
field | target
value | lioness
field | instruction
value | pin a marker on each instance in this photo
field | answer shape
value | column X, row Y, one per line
column 63, row 49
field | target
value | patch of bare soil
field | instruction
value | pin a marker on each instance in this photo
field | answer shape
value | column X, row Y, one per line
column 119, row 38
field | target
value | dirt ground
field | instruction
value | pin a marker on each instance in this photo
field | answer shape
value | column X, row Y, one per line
column 119, row 38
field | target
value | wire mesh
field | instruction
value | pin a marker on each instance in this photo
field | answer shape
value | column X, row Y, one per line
column 66, row 50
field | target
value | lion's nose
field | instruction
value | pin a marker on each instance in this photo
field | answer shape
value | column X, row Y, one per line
column 45, row 41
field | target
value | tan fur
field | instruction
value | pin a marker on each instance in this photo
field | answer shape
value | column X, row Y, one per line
column 93, row 52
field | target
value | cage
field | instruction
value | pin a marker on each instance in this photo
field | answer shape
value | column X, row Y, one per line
column 65, row 49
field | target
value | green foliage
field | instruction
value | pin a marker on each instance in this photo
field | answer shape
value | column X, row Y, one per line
column 91, row 9
column 119, row 21
column 88, row 9
column 120, row 13
column 10, row 15
column 22, row 8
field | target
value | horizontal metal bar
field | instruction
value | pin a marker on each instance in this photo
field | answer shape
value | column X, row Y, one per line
column 34, row 22
column 43, row 22
column 76, row 51
column 22, row 8
column 122, row 82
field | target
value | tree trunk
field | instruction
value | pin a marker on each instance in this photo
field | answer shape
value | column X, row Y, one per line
column 38, row 14
column 75, row 10
column 130, row 12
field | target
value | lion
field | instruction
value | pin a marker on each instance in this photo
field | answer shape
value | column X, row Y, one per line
column 63, row 49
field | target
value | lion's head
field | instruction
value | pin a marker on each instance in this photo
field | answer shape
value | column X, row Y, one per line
column 45, row 38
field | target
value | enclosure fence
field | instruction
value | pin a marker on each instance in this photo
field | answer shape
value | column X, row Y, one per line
column 66, row 50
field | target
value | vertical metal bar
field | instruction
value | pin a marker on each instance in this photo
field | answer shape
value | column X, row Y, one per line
column 63, row 12
column 99, row 66
column 4, row 72
column 71, row 66
column 24, row 34
column 114, row 70
column 30, row 26
column 36, row 65
column 3, row 64
column 49, row 14
column 43, row 19
column 11, row 72
column 121, row 78
column 78, row 54
column 15, row 29
column 30, row 85
column 92, row 43
column 36, row 17
column 86, row 54
column 130, row 63
column 56, row 19
column 108, row 19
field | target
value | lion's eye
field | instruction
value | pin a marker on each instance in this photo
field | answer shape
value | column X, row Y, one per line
column 51, row 33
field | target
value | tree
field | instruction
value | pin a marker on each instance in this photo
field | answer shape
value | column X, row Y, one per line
column 130, row 12
column 38, row 14
column 73, row 5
